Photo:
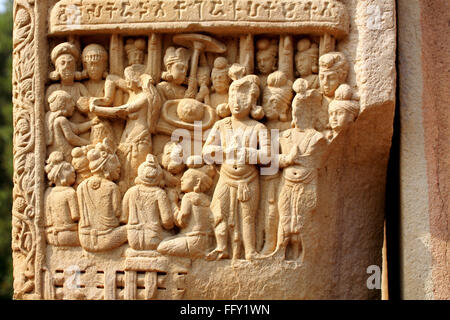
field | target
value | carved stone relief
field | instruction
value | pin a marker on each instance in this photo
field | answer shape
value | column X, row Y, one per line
column 170, row 139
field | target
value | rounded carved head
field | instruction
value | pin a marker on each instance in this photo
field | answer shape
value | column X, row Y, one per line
column 95, row 61
column 266, row 55
column 103, row 161
column 306, row 58
column 150, row 172
column 176, row 63
column 172, row 157
column 219, row 75
column 277, row 96
column 60, row 100
column 342, row 110
column 333, row 71
column 59, row 172
column 243, row 96
column 135, row 51
column 197, row 179
column 64, row 57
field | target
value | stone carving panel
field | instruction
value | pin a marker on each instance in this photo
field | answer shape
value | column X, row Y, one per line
column 181, row 142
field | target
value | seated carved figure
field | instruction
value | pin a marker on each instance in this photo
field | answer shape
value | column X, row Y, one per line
column 60, row 201
column 173, row 167
column 147, row 207
column 194, row 217
column 81, row 164
column 99, row 200
column 62, row 134
column 141, row 113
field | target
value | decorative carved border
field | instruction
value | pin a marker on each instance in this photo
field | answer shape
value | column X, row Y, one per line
column 27, row 240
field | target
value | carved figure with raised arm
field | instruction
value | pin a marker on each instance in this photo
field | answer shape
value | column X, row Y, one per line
column 194, row 217
column 62, row 134
column 141, row 113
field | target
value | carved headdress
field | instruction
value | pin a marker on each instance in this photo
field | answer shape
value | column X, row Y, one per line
column 101, row 155
column 266, row 45
column 64, row 48
column 176, row 55
column 149, row 172
column 55, row 168
column 305, row 47
column 279, row 85
column 135, row 51
column 250, row 83
column 343, row 99
column 334, row 62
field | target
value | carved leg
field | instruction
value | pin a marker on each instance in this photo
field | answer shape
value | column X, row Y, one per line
column 271, row 225
column 248, row 211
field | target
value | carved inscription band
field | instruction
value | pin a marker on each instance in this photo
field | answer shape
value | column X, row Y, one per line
column 293, row 16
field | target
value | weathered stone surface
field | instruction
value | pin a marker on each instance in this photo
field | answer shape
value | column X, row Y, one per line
column 424, row 149
column 201, row 149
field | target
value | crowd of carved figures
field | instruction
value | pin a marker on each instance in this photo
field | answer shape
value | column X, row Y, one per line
column 109, row 184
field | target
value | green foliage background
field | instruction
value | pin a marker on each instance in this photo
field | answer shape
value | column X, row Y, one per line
column 6, row 163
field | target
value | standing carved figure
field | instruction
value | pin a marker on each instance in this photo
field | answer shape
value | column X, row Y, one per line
column 99, row 200
column 61, row 207
column 300, row 159
column 277, row 99
column 307, row 103
column 243, row 143
column 95, row 63
column 141, row 112
column 62, row 134
column 147, row 207
column 194, row 216
column 65, row 57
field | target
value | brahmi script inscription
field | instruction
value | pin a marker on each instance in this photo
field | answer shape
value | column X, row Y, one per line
column 69, row 14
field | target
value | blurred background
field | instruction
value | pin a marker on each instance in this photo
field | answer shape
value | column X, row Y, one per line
column 6, row 130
